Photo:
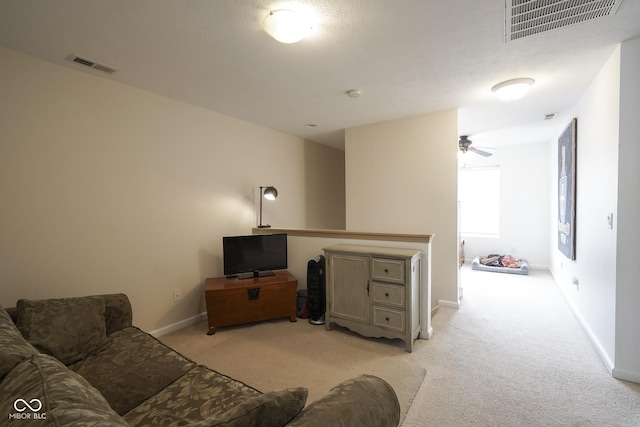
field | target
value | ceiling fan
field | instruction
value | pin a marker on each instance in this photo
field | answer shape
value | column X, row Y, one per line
column 465, row 146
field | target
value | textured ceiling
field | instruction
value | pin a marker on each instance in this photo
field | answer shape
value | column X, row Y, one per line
column 408, row 57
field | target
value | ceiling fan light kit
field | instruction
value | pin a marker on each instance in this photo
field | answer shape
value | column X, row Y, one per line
column 512, row 89
column 287, row 26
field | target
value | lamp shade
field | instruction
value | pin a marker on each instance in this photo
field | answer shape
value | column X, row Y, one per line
column 512, row 89
column 287, row 26
column 270, row 193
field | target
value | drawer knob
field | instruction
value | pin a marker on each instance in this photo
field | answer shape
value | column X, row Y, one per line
column 387, row 319
column 387, row 295
column 386, row 270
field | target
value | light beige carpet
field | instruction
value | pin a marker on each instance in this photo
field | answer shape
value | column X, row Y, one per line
column 279, row 354
column 514, row 354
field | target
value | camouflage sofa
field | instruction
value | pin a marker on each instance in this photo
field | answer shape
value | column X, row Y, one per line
column 79, row 361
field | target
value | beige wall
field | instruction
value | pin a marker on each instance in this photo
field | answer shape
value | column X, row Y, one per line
column 401, row 176
column 107, row 188
column 324, row 187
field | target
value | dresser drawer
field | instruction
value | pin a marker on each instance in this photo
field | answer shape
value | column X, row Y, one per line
column 388, row 318
column 387, row 269
column 384, row 293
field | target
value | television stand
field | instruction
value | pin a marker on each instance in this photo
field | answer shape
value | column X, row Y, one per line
column 234, row 301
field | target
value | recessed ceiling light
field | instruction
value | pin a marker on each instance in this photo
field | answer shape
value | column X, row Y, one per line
column 311, row 125
column 287, row 26
column 512, row 89
column 354, row 93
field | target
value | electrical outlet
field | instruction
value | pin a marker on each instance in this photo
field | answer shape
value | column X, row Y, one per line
column 177, row 296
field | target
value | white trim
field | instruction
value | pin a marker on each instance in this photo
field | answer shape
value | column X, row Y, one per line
column 539, row 267
column 178, row 325
column 592, row 336
column 469, row 261
column 426, row 335
column 626, row 375
column 449, row 304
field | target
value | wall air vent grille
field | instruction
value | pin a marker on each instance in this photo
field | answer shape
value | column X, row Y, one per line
column 91, row 64
column 529, row 17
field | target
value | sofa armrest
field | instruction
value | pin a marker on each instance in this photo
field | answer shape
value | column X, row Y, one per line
column 118, row 313
column 363, row 401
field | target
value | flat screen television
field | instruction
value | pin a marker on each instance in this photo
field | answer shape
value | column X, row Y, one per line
column 254, row 255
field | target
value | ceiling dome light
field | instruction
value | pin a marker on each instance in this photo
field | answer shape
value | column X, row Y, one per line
column 512, row 89
column 287, row 26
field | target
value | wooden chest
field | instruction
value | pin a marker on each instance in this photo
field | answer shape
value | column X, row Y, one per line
column 233, row 301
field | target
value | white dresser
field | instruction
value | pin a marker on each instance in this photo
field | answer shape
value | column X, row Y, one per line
column 374, row 291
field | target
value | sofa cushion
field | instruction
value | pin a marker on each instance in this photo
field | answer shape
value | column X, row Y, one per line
column 67, row 328
column 133, row 367
column 273, row 409
column 13, row 347
column 368, row 399
column 206, row 398
column 200, row 394
column 41, row 391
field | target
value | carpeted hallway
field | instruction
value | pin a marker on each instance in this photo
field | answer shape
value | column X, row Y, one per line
column 515, row 355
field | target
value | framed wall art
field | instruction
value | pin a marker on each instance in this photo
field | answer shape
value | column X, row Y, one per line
column 567, row 190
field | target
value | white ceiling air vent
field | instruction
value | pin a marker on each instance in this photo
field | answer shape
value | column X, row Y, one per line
column 528, row 17
column 91, row 64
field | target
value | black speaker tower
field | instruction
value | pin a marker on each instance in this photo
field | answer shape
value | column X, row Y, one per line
column 316, row 290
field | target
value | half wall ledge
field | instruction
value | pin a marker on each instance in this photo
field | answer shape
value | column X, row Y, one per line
column 346, row 234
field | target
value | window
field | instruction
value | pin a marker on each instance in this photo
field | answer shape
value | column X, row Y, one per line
column 479, row 196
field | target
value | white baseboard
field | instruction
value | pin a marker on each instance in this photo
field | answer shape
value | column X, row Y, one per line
column 426, row 334
column 539, row 267
column 178, row 325
column 592, row 336
column 449, row 304
column 469, row 262
column 596, row 342
column 620, row 374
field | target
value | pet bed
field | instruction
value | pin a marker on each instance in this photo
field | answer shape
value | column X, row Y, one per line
column 523, row 269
